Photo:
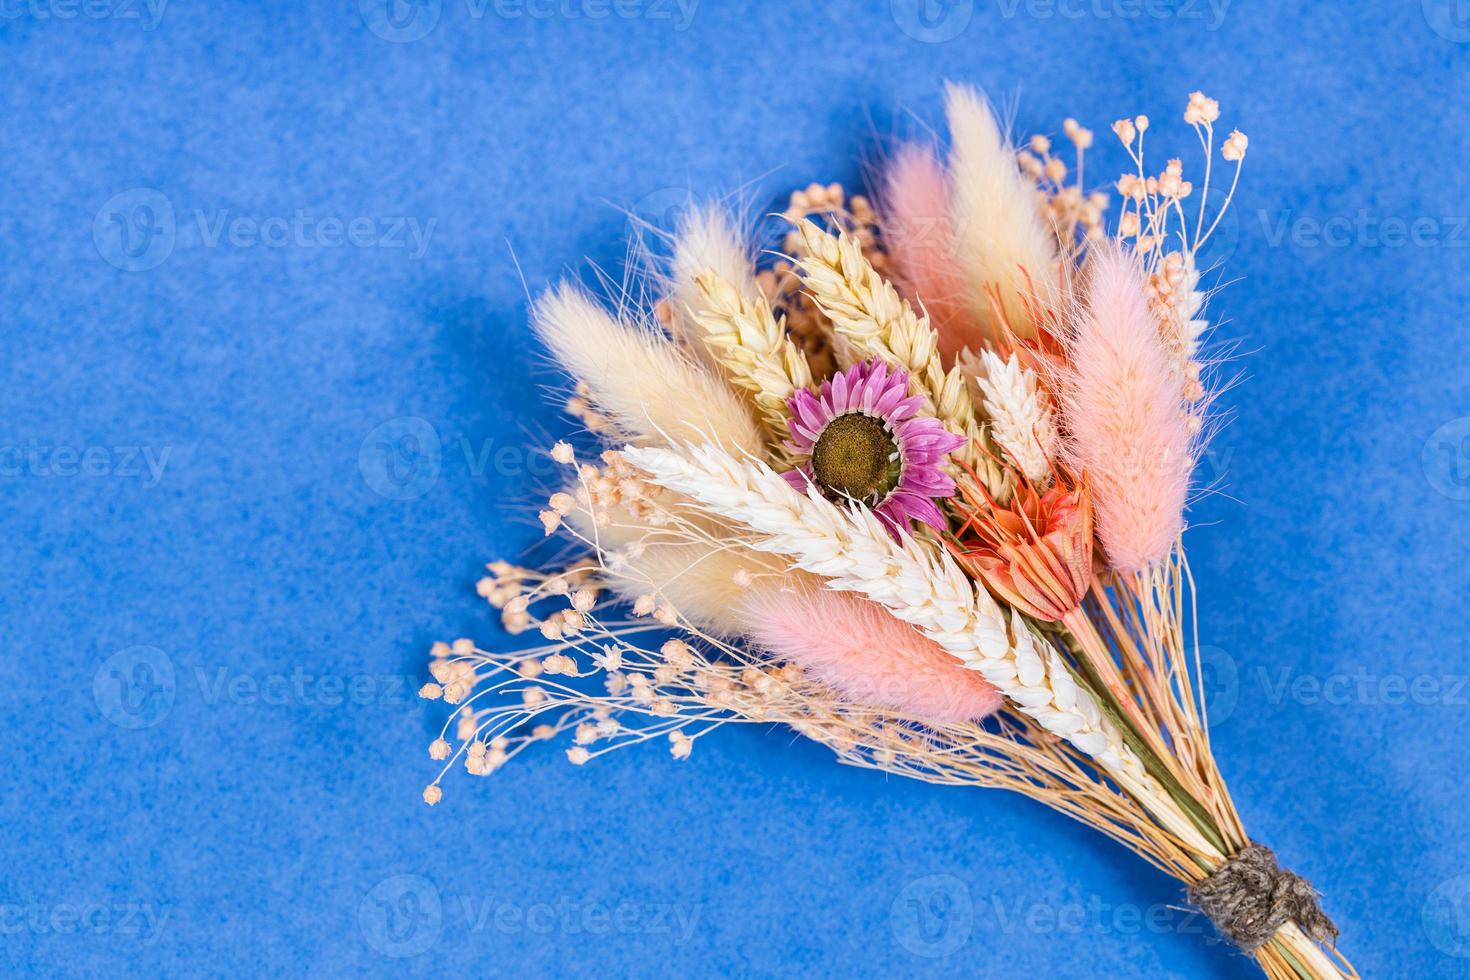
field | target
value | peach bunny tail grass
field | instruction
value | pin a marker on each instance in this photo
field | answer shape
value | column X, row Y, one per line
column 1124, row 406
column 860, row 650
column 916, row 223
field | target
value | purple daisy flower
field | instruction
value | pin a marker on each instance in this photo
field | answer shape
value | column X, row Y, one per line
column 862, row 440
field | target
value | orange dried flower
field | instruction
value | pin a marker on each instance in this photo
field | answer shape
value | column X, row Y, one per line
column 1035, row 552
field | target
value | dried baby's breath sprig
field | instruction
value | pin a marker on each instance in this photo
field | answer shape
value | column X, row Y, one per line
column 1167, row 238
column 620, row 690
column 1073, row 213
column 752, row 345
column 872, row 320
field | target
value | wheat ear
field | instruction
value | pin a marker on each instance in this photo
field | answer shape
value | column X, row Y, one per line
column 1020, row 413
column 869, row 315
column 746, row 338
column 706, row 237
column 919, row 583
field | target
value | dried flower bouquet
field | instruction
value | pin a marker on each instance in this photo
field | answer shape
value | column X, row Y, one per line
column 915, row 490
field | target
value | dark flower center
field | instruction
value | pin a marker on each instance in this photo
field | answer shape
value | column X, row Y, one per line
column 855, row 456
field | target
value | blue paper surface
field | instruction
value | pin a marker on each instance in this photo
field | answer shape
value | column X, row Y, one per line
column 269, row 402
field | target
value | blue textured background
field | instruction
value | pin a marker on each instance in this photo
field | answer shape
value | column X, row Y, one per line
column 183, row 793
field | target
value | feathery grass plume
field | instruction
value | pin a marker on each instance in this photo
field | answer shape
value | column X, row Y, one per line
column 919, row 583
column 705, row 238
column 920, row 238
column 746, row 338
column 872, row 320
column 1001, row 241
column 1126, row 420
column 860, row 650
column 648, row 540
column 1020, row 412
column 646, row 387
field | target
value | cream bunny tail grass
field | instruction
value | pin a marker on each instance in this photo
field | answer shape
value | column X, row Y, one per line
column 708, row 588
column 646, row 387
column 1000, row 240
column 649, row 540
column 706, row 240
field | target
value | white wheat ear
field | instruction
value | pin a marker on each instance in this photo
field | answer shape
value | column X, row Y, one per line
column 921, row 584
column 639, row 379
column 1000, row 240
column 1020, row 413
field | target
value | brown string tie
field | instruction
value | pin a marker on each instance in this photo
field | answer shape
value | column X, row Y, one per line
column 1249, row 897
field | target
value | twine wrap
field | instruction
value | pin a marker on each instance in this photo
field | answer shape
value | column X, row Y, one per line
column 1249, row 897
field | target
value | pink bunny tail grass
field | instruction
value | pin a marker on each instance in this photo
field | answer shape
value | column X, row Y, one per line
column 915, row 209
column 1123, row 404
column 859, row 650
